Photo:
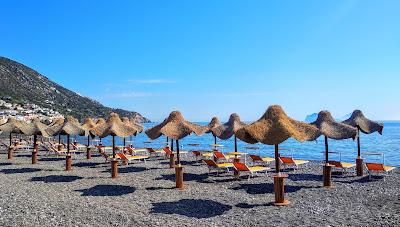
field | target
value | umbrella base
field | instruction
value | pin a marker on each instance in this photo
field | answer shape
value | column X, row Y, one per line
column 114, row 169
column 327, row 170
column 171, row 161
column 34, row 157
column 88, row 153
column 279, row 188
column 10, row 153
column 68, row 163
column 359, row 167
column 179, row 177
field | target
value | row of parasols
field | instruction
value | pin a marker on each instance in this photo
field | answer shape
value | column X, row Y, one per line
column 273, row 128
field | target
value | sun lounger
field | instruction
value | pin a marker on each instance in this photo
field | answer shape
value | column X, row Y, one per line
column 241, row 167
column 197, row 154
column 129, row 158
column 344, row 166
column 288, row 161
column 219, row 156
column 155, row 152
column 263, row 160
column 212, row 165
column 378, row 167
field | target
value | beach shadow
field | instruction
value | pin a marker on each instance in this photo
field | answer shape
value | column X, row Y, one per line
column 128, row 169
column 22, row 155
column 192, row 208
column 22, row 170
column 186, row 177
column 52, row 159
column 57, row 179
column 305, row 177
column 362, row 180
column 5, row 164
column 86, row 164
column 107, row 190
column 263, row 188
column 158, row 188
column 249, row 206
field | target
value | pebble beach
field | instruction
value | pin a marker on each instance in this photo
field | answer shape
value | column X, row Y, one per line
column 144, row 195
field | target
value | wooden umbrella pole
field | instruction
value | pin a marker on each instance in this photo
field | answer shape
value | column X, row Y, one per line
column 68, row 160
column 88, row 154
column 172, row 145
column 327, row 171
column 10, row 149
column 35, row 150
column 10, row 139
column 359, row 160
column 178, row 169
column 215, row 139
column 277, row 161
column 235, row 143
column 114, row 161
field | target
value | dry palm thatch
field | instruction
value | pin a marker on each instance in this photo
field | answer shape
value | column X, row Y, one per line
column 357, row 119
column 227, row 130
column 175, row 127
column 332, row 129
column 11, row 126
column 275, row 126
column 69, row 127
column 214, row 123
column 35, row 127
column 100, row 121
column 134, row 125
column 113, row 127
column 137, row 125
column 3, row 121
column 88, row 124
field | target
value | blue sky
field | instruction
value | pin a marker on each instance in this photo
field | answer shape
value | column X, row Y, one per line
column 213, row 58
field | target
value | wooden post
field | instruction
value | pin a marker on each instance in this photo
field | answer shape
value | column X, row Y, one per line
column 279, row 188
column 114, row 161
column 10, row 153
column 68, row 158
column 326, row 150
column 359, row 160
column 171, row 161
column 235, row 172
column 178, row 169
column 88, row 154
column 327, row 175
column 215, row 140
column 35, row 150
column 10, row 139
column 277, row 160
column 235, row 143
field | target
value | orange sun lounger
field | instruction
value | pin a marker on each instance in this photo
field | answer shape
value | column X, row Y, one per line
column 262, row 160
column 286, row 161
column 241, row 167
column 344, row 166
column 212, row 165
column 378, row 167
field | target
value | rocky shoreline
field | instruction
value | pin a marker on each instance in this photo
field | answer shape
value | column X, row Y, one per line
column 144, row 195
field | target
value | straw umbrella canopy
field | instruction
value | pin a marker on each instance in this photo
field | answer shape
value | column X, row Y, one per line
column 88, row 124
column 69, row 127
column 56, row 121
column 113, row 127
column 274, row 127
column 363, row 124
column 214, row 123
column 11, row 126
column 229, row 129
column 333, row 130
column 99, row 121
column 132, row 124
column 3, row 121
column 34, row 128
column 175, row 127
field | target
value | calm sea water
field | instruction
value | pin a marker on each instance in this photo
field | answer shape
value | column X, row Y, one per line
column 387, row 144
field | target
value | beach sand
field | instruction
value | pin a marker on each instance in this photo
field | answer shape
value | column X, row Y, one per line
column 144, row 195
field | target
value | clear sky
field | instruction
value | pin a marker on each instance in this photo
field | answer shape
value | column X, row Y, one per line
column 213, row 58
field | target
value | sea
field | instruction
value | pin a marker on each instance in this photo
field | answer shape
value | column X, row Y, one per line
column 374, row 147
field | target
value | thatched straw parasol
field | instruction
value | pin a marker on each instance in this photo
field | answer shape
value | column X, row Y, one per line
column 229, row 129
column 214, row 123
column 100, row 121
column 34, row 128
column 363, row 124
column 333, row 130
column 69, row 127
column 11, row 126
column 273, row 128
column 114, row 127
column 3, row 121
column 132, row 124
column 88, row 125
column 176, row 127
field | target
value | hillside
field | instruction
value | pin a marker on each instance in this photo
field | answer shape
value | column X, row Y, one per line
column 24, row 85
